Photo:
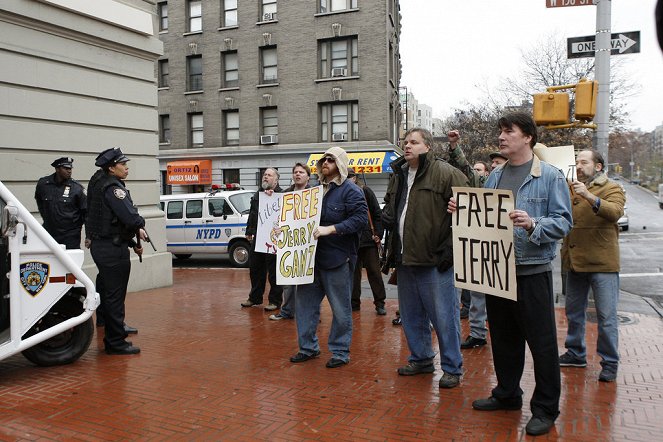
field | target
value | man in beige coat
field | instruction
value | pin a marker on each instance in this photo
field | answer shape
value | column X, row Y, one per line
column 590, row 256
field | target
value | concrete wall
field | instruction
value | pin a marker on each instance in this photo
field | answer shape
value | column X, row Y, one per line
column 77, row 77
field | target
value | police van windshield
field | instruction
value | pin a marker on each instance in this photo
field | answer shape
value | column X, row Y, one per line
column 242, row 202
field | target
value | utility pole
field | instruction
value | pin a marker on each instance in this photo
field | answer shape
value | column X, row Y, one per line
column 602, row 58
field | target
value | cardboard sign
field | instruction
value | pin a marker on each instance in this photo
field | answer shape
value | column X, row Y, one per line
column 484, row 257
column 562, row 157
column 299, row 217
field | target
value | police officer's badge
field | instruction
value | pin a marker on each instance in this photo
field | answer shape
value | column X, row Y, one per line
column 228, row 232
column 119, row 194
column 34, row 276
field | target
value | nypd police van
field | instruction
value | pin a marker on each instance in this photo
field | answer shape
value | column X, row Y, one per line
column 213, row 222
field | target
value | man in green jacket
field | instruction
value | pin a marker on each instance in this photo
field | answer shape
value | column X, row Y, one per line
column 590, row 256
column 420, row 248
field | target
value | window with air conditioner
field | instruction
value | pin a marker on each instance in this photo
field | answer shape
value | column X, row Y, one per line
column 270, row 125
column 195, row 16
column 196, row 130
column 162, row 12
column 163, row 73
column 336, row 5
column 194, row 68
column 339, row 57
column 164, row 128
column 269, row 72
column 230, row 69
column 229, row 13
column 231, row 127
column 268, row 10
column 339, row 121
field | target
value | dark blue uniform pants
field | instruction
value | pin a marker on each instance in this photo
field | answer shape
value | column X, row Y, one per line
column 114, row 267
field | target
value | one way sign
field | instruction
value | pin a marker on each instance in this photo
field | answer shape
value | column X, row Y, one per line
column 621, row 43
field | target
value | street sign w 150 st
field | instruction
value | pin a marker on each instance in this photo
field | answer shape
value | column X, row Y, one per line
column 563, row 3
column 620, row 44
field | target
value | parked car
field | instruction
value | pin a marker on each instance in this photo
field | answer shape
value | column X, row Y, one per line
column 623, row 221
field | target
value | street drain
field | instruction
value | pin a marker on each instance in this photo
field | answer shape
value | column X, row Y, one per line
column 622, row 318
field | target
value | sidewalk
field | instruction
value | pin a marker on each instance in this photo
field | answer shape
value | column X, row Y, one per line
column 211, row 370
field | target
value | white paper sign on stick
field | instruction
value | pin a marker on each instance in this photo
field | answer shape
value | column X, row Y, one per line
column 484, row 259
column 562, row 157
column 269, row 209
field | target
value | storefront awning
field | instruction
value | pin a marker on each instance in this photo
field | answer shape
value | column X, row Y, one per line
column 363, row 162
column 189, row 172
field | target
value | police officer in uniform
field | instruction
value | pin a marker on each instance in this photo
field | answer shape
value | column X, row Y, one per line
column 112, row 223
column 62, row 204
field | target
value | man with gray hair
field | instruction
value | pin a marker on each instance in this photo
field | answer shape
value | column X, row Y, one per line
column 262, row 265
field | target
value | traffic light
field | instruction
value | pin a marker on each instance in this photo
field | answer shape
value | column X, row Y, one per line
column 551, row 108
column 585, row 103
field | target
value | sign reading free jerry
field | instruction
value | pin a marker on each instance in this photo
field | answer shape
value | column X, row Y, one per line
column 484, row 259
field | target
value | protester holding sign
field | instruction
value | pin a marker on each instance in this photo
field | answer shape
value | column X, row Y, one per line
column 590, row 256
column 420, row 249
column 541, row 218
column 262, row 265
column 344, row 215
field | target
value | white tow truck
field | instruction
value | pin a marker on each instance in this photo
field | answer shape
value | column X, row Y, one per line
column 46, row 300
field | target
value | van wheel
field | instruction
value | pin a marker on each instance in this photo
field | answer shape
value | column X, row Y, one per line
column 66, row 347
column 239, row 254
column 183, row 255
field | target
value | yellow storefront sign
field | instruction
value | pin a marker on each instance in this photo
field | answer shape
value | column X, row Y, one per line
column 362, row 162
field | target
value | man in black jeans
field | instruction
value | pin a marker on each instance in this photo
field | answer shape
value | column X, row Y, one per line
column 367, row 255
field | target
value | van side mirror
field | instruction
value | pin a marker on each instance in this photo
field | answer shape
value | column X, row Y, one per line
column 9, row 220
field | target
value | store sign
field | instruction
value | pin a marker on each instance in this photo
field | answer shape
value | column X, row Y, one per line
column 189, row 172
column 362, row 162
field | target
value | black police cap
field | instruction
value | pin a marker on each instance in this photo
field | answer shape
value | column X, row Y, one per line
column 110, row 156
column 63, row 162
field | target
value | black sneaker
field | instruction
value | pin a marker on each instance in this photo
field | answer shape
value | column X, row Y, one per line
column 493, row 404
column 538, row 425
column 449, row 380
column 472, row 342
column 413, row 368
column 381, row 311
column 464, row 313
column 608, row 374
column 568, row 360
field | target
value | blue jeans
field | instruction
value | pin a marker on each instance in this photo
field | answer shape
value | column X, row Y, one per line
column 478, row 315
column 605, row 287
column 288, row 307
column 337, row 285
column 428, row 295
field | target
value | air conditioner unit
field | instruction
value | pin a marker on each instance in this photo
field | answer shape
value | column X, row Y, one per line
column 269, row 139
column 339, row 72
column 339, row 137
column 268, row 16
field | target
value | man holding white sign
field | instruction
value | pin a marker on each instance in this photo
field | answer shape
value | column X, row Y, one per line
column 343, row 216
column 542, row 216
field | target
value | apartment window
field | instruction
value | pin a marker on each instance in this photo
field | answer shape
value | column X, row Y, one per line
column 268, row 69
column 163, row 73
column 164, row 129
column 337, row 5
column 230, row 69
column 230, row 176
column 195, row 16
column 163, row 16
column 339, row 121
column 196, row 130
column 194, row 69
column 229, row 11
column 268, row 10
column 269, row 121
column 339, row 57
column 231, row 125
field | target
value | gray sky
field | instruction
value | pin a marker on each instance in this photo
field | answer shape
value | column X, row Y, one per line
column 452, row 48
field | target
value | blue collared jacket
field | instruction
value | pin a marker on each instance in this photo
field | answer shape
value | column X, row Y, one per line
column 544, row 195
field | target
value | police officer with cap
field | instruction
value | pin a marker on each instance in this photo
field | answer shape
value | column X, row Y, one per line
column 62, row 204
column 111, row 226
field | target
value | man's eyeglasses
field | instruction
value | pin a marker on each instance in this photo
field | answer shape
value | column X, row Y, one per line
column 328, row 159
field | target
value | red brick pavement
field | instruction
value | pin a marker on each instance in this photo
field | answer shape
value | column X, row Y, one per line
column 213, row 371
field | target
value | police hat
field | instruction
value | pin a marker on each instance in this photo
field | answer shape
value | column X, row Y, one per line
column 110, row 156
column 63, row 162
column 497, row 155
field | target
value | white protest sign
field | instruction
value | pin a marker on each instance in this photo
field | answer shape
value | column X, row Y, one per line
column 269, row 209
column 300, row 215
column 562, row 157
column 484, row 259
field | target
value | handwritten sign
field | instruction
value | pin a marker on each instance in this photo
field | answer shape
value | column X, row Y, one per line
column 484, row 258
column 562, row 157
column 298, row 218
column 269, row 209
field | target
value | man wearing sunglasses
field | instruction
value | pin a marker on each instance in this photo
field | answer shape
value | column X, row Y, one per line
column 343, row 216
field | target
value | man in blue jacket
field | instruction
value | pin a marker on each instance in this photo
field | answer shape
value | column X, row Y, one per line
column 344, row 215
